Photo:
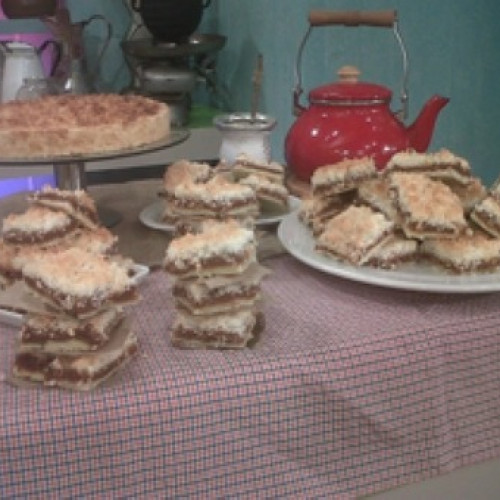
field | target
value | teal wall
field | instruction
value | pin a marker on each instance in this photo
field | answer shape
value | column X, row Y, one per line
column 454, row 49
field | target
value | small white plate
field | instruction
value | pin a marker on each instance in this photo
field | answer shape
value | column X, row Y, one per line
column 13, row 318
column 151, row 215
column 299, row 242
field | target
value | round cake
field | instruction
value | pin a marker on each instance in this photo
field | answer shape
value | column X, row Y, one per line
column 73, row 125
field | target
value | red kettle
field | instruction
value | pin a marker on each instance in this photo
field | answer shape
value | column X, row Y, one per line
column 350, row 118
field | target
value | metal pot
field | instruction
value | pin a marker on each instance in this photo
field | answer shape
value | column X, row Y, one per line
column 170, row 20
column 180, row 106
column 163, row 78
column 19, row 9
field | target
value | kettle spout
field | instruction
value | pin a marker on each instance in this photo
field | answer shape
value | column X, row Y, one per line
column 421, row 130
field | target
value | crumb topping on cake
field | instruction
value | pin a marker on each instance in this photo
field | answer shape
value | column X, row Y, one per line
column 59, row 111
column 70, row 124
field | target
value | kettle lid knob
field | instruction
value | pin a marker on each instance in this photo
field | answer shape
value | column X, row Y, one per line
column 348, row 74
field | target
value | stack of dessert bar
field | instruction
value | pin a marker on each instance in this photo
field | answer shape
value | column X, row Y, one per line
column 216, row 286
column 75, row 333
column 421, row 207
column 195, row 191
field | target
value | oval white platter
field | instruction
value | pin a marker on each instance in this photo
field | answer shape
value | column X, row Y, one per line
column 299, row 242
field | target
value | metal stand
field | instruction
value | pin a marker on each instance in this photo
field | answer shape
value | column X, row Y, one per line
column 71, row 176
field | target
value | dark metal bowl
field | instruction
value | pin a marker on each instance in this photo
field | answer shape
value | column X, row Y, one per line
column 197, row 44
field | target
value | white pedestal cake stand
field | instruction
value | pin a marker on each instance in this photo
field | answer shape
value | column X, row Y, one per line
column 70, row 174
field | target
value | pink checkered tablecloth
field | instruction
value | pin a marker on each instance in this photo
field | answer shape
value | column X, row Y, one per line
column 350, row 390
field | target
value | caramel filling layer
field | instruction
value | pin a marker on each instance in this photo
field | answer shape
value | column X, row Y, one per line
column 218, row 336
column 85, row 332
column 64, row 372
column 18, row 237
column 208, row 263
column 76, row 305
column 77, row 207
column 220, row 296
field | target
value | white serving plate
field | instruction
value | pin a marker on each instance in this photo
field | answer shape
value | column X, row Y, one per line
column 299, row 242
column 14, row 318
column 151, row 215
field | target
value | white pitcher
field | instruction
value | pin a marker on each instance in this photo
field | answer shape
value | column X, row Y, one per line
column 21, row 61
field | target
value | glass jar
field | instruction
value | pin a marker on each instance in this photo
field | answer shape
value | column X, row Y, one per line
column 243, row 134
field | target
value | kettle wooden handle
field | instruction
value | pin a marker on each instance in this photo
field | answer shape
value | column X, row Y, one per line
column 380, row 18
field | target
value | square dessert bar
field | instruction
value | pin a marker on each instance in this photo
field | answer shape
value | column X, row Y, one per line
column 81, row 372
column 62, row 334
column 219, row 248
column 75, row 281
column 216, row 198
column 354, row 234
column 217, row 331
column 442, row 165
column 343, row 176
column 394, row 251
column 427, row 208
column 37, row 225
column 217, row 294
column 467, row 253
column 77, row 204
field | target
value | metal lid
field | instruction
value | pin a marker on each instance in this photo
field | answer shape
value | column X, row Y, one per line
column 245, row 122
column 348, row 90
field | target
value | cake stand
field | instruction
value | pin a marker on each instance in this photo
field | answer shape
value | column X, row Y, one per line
column 70, row 174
